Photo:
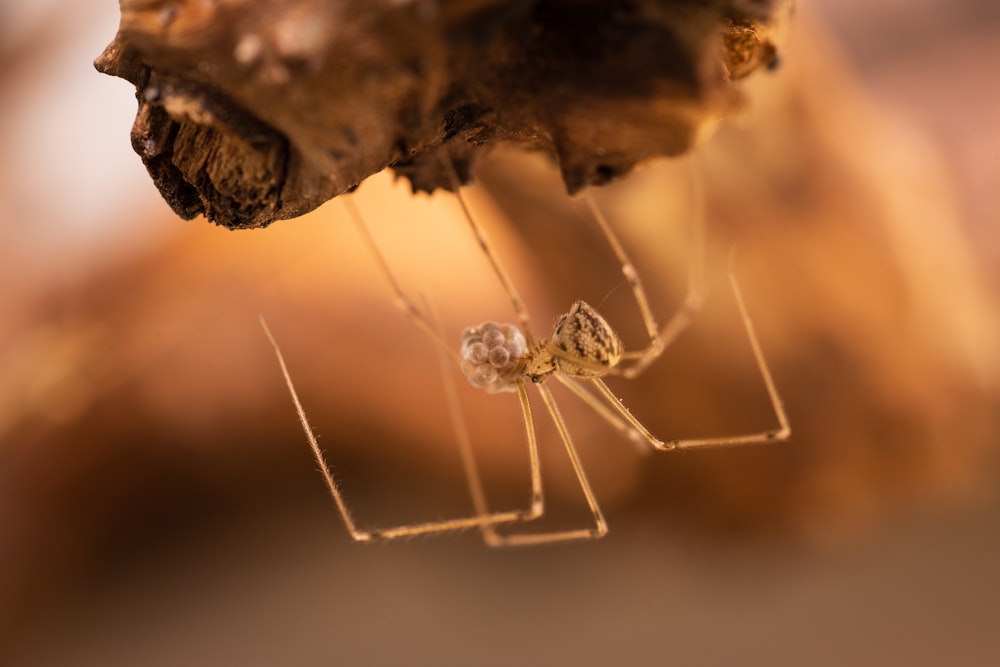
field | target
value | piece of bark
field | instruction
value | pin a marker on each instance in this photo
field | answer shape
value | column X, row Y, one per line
column 254, row 111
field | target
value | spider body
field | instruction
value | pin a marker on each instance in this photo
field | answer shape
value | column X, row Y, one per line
column 494, row 356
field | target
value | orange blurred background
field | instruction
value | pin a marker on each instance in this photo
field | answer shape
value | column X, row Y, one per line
column 158, row 503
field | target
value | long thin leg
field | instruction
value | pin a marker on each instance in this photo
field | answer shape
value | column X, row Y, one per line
column 783, row 432
column 403, row 301
column 634, row 435
column 468, row 458
column 515, row 299
column 447, row 525
column 600, row 528
column 408, row 306
column 472, row 476
column 659, row 339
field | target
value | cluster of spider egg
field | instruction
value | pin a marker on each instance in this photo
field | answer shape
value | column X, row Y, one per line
column 491, row 355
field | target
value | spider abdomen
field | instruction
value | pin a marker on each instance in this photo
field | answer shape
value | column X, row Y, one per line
column 585, row 344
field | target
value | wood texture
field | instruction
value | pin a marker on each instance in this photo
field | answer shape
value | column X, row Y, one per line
column 252, row 111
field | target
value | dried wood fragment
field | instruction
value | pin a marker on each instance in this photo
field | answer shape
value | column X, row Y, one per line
column 252, row 111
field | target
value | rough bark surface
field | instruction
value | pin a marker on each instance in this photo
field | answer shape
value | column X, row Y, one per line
column 252, row 111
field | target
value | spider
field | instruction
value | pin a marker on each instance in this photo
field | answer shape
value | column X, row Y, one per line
column 504, row 357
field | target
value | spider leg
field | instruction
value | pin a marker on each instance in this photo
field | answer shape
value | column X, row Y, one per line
column 616, row 403
column 484, row 244
column 600, row 528
column 403, row 300
column 784, row 431
column 468, row 458
column 448, row 525
column 634, row 435
column 659, row 339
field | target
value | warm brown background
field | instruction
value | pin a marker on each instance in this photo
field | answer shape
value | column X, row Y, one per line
column 157, row 502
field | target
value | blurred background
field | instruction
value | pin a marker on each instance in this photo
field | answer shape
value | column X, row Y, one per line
column 158, row 503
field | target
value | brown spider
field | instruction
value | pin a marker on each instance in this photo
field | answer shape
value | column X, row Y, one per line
column 582, row 350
